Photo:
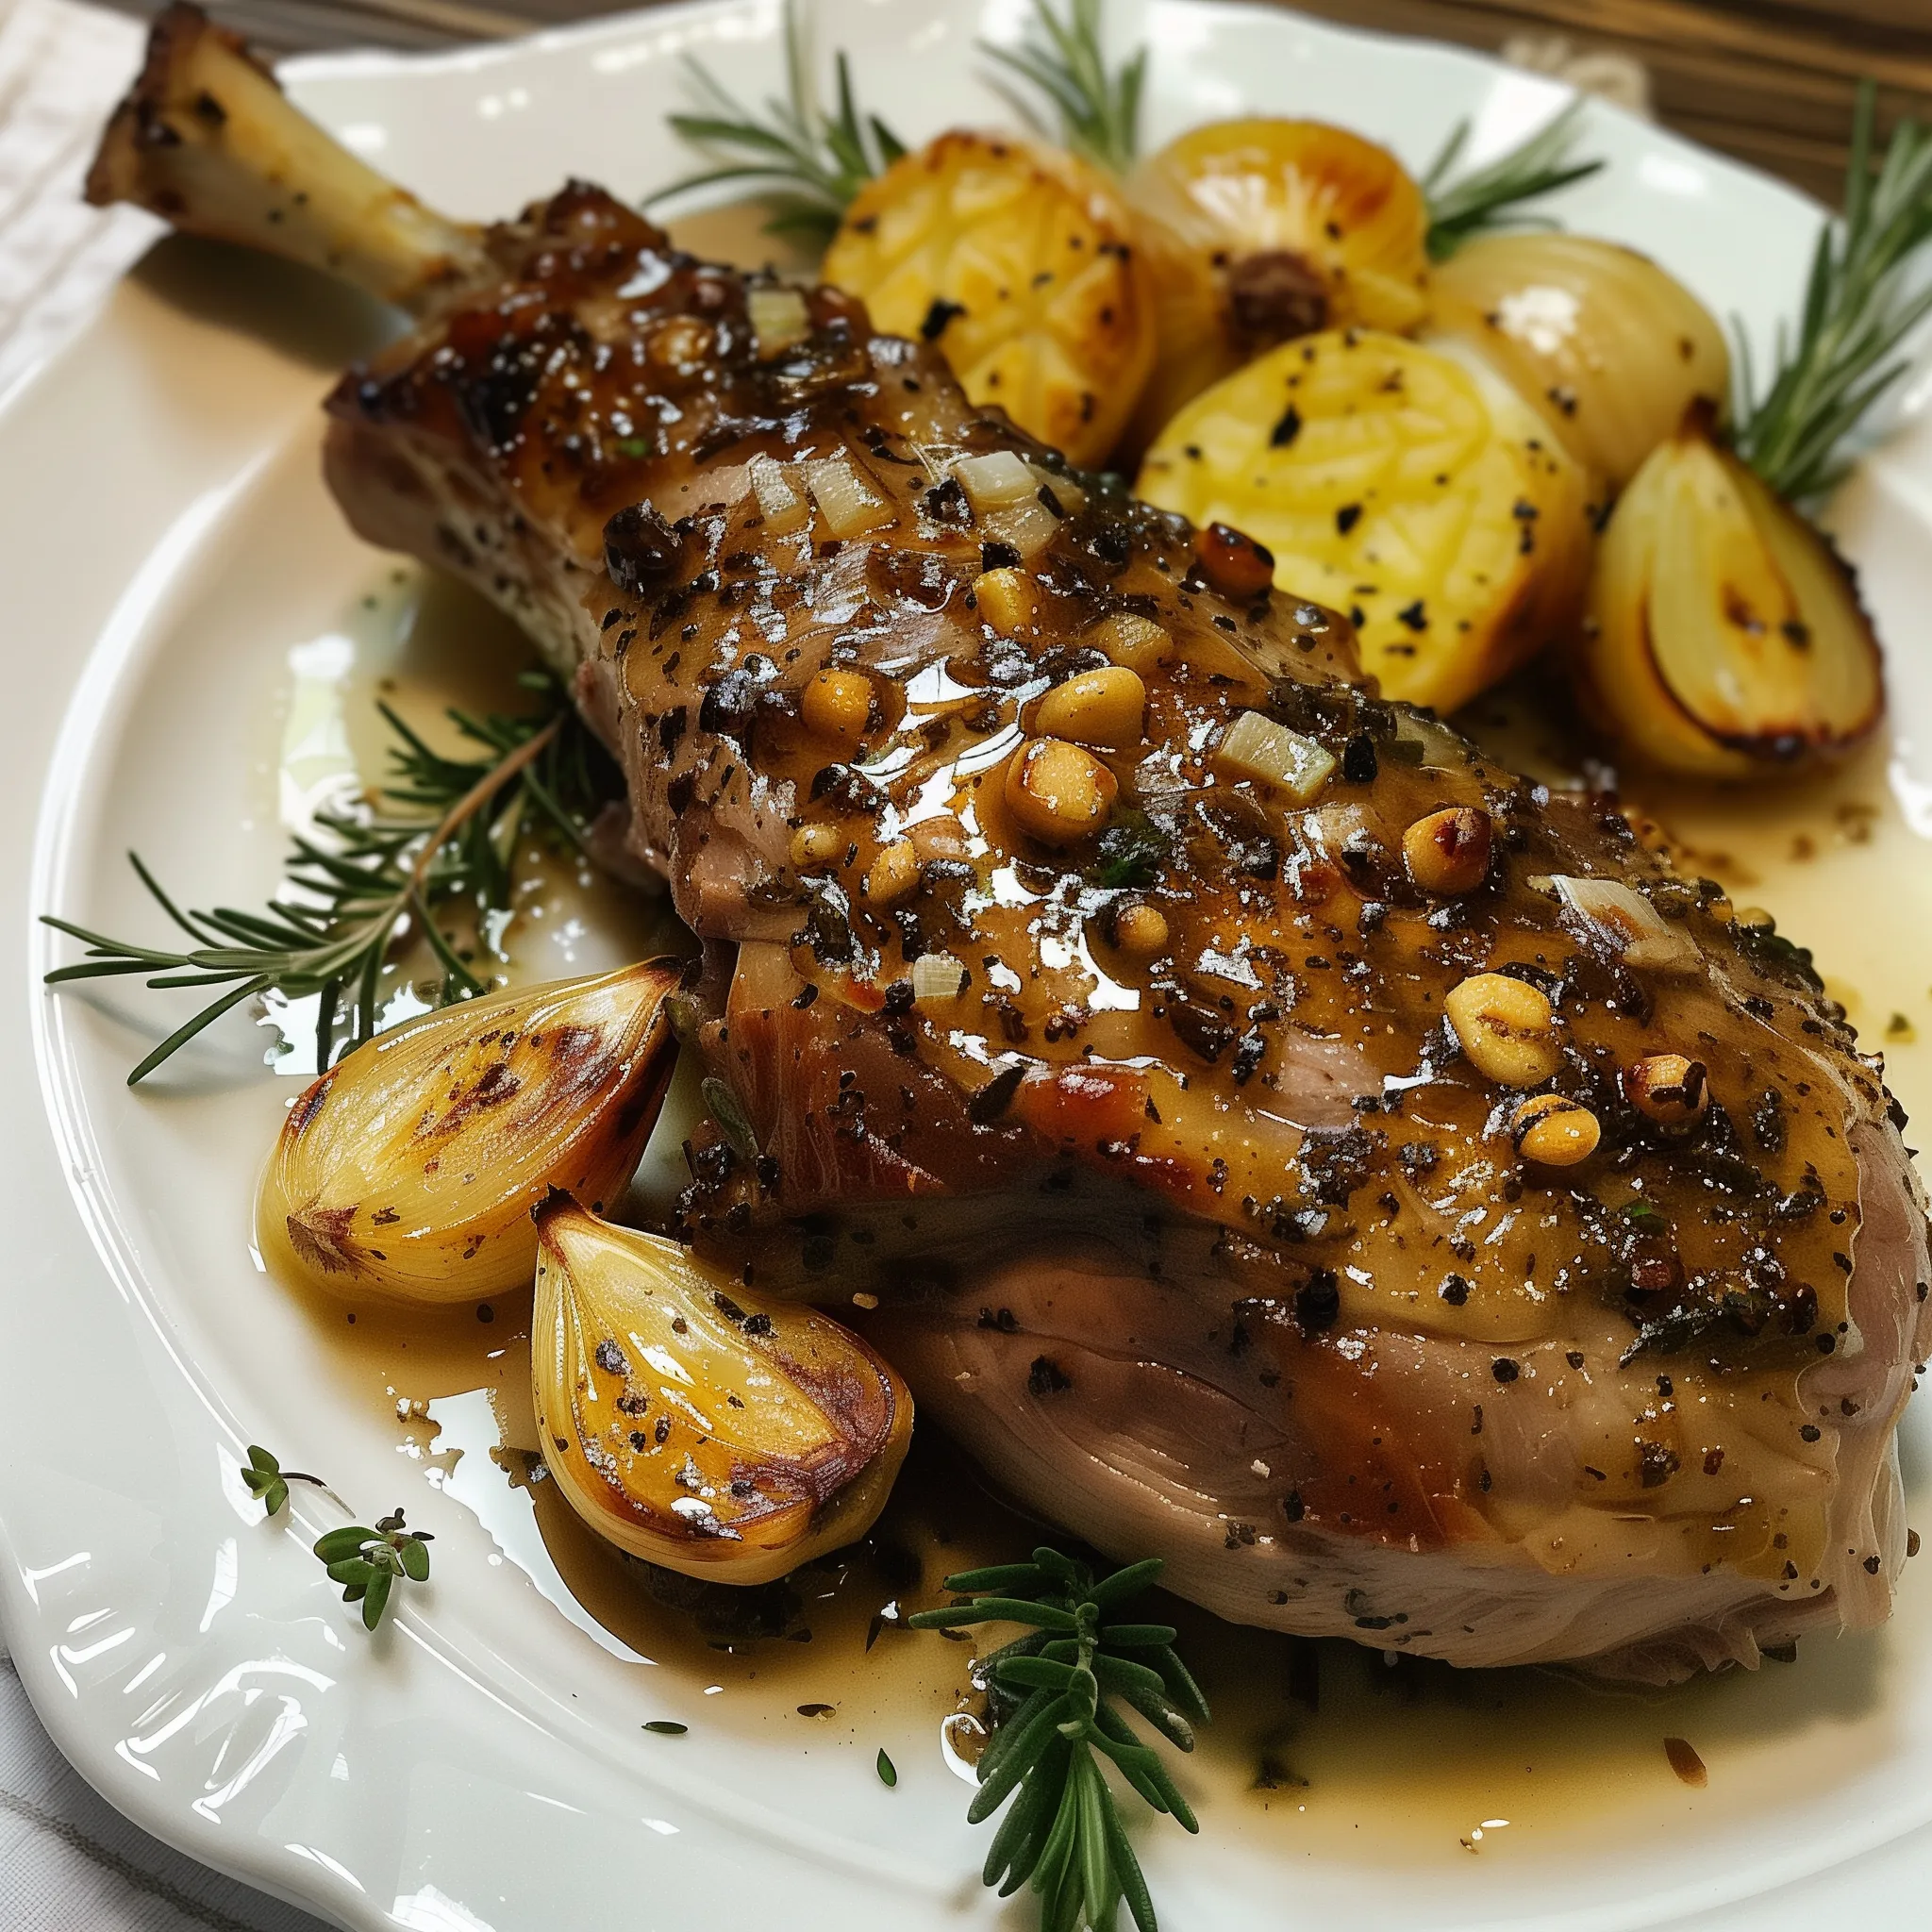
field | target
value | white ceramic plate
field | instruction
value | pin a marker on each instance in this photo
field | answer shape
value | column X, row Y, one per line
column 170, row 565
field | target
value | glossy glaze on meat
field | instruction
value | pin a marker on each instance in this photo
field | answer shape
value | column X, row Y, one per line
column 1224, row 1251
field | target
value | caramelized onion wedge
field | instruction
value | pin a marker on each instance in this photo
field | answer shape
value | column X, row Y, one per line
column 1724, row 638
column 694, row 1426
column 409, row 1169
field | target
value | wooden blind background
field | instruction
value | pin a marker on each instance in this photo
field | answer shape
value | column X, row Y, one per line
column 1770, row 81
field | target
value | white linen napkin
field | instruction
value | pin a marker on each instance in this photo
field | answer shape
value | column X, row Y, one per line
column 62, row 68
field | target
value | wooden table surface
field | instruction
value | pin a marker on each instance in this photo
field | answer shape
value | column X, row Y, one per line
column 1770, row 81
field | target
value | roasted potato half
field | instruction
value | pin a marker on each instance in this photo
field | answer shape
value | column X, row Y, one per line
column 1611, row 349
column 1260, row 230
column 1019, row 262
column 1410, row 487
column 411, row 1168
column 1725, row 638
column 693, row 1424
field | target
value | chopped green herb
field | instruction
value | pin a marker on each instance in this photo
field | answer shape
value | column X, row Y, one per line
column 1493, row 196
column 821, row 158
column 723, row 1105
column 1095, row 107
column 889, row 1771
column 666, row 1728
column 1132, row 849
column 448, row 831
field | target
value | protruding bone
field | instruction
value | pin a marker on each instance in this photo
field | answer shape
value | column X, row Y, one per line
column 208, row 141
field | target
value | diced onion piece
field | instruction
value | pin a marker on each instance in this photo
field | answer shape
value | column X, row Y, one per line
column 997, row 480
column 1028, row 525
column 1065, row 491
column 1258, row 747
column 936, row 976
column 1638, row 931
column 848, row 501
column 783, row 508
column 779, row 318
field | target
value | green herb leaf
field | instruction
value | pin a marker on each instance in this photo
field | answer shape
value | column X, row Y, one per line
column 447, row 830
column 887, row 1771
column 1861, row 300
column 265, row 1477
column 1054, row 1727
column 722, row 1104
column 1092, row 107
column 368, row 1563
column 1132, row 851
column 667, row 1727
column 1493, row 196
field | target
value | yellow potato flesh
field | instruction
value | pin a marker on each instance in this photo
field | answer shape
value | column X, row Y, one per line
column 1405, row 484
column 695, row 1426
column 1019, row 262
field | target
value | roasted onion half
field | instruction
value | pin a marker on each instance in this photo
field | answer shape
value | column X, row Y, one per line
column 1724, row 636
column 409, row 1169
column 693, row 1425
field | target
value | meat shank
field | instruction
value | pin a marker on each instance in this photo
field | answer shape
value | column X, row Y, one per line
column 1184, row 1205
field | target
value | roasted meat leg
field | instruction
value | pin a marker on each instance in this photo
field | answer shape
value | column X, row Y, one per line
column 1276, row 1138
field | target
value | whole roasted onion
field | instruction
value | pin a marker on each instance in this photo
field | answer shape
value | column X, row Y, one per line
column 1260, row 230
column 1610, row 348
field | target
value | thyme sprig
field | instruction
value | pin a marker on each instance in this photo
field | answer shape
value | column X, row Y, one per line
column 1859, row 305
column 367, row 1561
column 370, row 1563
column 269, row 1481
column 1461, row 207
column 446, row 829
column 1096, row 107
column 1054, row 1729
column 821, row 158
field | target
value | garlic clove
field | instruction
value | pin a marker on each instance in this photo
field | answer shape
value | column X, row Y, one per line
column 1725, row 639
column 695, row 1426
column 409, row 1169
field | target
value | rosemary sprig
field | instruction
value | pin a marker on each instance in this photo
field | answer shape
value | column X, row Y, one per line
column 1056, row 1728
column 1097, row 108
column 1492, row 197
column 366, row 882
column 823, row 159
column 1859, row 307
